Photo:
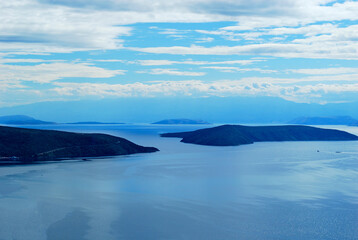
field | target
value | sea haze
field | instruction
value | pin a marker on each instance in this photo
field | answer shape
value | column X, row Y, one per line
column 273, row 190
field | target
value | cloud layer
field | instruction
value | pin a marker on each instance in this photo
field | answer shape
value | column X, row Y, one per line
column 62, row 25
column 303, row 50
column 297, row 93
column 48, row 72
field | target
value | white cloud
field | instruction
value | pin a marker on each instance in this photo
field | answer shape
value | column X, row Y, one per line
column 248, row 13
column 315, row 78
column 230, row 32
column 296, row 13
column 340, row 36
column 176, row 72
column 155, row 62
column 27, row 25
column 317, row 49
column 204, row 40
column 190, row 62
column 309, row 30
column 264, row 28
column 65, row 26
column 107, row 60
column 6, row 85
column 173, row 32
column 47, row 72
column 129, row 90
column 298, row 93
column 326, row 71
column 27, row 60
column 236, row 69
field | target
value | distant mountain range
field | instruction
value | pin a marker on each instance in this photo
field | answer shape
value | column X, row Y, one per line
column 21, row 120
column 212, row 109
column 337, row 120
column 181, row 121
column 26, row 120
column 233, row 135
column 41, row 145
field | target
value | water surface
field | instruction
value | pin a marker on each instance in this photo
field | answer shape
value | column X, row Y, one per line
column 281, row 190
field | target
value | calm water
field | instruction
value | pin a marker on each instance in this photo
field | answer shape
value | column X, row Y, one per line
column 262, row 191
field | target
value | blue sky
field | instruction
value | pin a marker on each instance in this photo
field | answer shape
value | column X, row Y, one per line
column 61, row 50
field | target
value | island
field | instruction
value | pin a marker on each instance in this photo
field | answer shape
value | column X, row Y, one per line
column 29, row 145
column 181, row 121
column 336, row 120
column 234, row 135
column 22, row 120
column 94, row 123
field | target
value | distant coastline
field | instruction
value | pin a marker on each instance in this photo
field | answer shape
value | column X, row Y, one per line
column 181, row 121
column 335, row 120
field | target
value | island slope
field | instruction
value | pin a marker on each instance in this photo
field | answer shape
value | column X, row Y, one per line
column 233, row 135
column 41, row 145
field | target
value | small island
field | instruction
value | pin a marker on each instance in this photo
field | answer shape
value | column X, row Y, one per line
column 94, row 123
column 234, row 135
column 181, row 121
column 29, row 145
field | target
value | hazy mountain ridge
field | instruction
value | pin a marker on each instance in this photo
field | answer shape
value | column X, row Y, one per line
column 27, row 120
column 21, row 120
column 233, row 135
column 212, row 109
column 335, row 120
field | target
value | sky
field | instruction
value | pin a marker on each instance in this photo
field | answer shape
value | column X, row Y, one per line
column 304, row 51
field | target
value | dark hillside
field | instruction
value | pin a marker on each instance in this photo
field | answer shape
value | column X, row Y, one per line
column 232, row 135
column 30, row 144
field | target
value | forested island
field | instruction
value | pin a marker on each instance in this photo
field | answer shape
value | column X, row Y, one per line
column 233, row 135
column 29, row 145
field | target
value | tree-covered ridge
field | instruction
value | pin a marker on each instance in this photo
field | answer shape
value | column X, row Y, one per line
column 31, row 144
column 232, row 135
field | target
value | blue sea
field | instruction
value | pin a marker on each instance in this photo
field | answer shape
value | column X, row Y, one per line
column 262, row 191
